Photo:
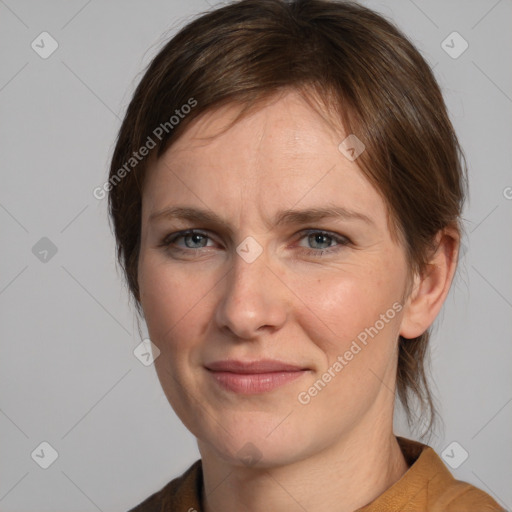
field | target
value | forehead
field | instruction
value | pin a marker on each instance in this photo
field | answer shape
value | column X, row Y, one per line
column 290, row 116
column 281, row 153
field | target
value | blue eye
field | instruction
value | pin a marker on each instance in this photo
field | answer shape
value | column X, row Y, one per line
column 319, row 237
column 195, row 240
column 196, row 237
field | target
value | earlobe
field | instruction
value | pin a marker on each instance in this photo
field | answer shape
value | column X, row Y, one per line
column 431, row 288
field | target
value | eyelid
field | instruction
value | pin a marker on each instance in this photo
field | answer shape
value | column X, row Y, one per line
column 332, row 234
column 171, row 237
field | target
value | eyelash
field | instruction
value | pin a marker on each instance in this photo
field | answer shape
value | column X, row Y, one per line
column 341, row 241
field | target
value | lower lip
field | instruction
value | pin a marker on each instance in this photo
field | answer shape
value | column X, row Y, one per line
column 253, row 383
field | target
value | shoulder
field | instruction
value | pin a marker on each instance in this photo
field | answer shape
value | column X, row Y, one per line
column 181, row 493
column 464, row 497
column 458, row 496
column 429, row 486
column 442, row 491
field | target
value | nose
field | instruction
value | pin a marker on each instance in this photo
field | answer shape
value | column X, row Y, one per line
column 253, row 299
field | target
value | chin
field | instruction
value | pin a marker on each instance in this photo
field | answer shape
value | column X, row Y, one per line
column 253, row 443
column 258, row 454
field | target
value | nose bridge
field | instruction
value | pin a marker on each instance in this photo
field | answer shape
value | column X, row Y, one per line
column 252, row 297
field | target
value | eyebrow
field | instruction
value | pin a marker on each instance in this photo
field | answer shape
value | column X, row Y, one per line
column 282, row 218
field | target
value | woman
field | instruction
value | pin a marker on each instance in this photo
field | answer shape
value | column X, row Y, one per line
column 285, row 192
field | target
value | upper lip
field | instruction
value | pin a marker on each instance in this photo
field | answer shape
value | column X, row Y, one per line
column 257, row 366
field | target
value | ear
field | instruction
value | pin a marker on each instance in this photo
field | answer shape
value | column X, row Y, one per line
column 430, row 289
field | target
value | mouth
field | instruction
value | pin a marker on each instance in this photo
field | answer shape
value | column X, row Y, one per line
column 254, row 377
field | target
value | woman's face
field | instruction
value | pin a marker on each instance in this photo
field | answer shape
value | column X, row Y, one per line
column 321, row 293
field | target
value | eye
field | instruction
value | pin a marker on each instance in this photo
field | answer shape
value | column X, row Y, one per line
column 194, row 240
column 321, row 242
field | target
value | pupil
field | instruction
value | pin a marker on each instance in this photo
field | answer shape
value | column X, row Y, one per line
column 320, row 238
column 196, row 238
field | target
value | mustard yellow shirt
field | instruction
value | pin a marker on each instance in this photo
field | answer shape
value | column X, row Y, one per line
column 427, row 486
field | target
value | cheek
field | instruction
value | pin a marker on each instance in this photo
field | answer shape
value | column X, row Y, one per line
column 344, row 303
column 173, row 301
column 353, row 320
column 174, row 304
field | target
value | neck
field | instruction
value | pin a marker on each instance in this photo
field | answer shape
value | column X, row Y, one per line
column 342, row 478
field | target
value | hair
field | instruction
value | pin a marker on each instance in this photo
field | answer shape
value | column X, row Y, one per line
column 359, row 69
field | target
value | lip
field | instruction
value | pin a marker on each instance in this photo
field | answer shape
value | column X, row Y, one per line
column 254, row 377
column 256, row 366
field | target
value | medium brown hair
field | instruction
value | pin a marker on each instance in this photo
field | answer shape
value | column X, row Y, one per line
column 359, row 68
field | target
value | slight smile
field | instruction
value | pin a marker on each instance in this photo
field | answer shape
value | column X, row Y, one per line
column 254, row 377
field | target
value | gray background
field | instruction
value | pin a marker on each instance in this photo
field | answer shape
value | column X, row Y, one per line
column 68, row 375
